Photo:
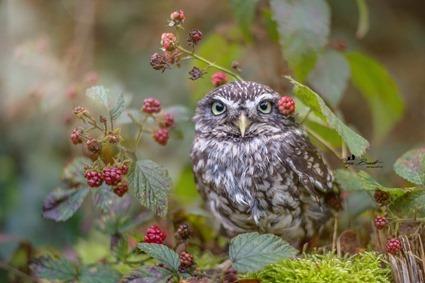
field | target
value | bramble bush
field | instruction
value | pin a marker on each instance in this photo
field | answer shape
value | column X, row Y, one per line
column 112, row 169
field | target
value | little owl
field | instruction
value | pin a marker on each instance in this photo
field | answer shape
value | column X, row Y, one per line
column 256, row 168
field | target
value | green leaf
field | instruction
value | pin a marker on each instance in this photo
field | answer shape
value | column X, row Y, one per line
column 244, row 11
column 50, row 268
column 250, row 252
column 411, row 166
column 229, row 51
column 361, row 181
column 304, row 29
column 163, row 254
column 103, row 198
column 363, row 24
column 61, row 204
column 99, row 273
column 151, row 184
column 185, row 188
column 330, row 75
column 380, row 91
column 356, row 143
column 412, row 203
column 114, row 104
column 73, row 171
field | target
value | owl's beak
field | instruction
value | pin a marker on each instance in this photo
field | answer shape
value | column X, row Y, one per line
column 243, row 123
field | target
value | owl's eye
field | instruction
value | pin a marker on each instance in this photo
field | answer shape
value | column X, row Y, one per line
column 218, row 108
column 265, row 107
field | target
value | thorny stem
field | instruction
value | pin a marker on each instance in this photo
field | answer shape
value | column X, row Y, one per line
column 209, row 63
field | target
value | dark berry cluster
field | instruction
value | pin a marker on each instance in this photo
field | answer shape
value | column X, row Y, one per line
column 183, row 232
column 186, row 261
column 155, row 235
column 382, row 198
column 286, row 105
column 230, row 275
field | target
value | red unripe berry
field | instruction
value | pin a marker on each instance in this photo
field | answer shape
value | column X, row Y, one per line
column 151, row 105
column 124, row 169
column 177, row 16
column 393, row 246
column 168, row 41
column 286, row 105
column 166, row 121
column 94, row 178
column 161, row 136
column 76, row 136
column 112, row 175
column 121, row 189
column 380, row 222
column 155, row 235
column 194, row 37
column 219, row 78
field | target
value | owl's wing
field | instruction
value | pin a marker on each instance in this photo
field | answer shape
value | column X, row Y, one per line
column 303, row 159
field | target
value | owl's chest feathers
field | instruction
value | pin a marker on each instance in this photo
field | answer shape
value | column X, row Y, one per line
column 248, row 174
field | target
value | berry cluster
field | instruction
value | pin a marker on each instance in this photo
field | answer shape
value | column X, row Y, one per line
column 186, row 261
column 286, row 105
column 173, row 52
column 155, row 235
column 111, row 175
column 393, row 246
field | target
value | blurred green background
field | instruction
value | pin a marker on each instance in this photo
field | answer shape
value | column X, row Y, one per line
column 49, row 47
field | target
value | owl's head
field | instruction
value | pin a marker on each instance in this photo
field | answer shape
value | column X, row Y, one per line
column 240, row 110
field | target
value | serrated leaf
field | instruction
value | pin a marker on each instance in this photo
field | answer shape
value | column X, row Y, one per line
column 163, row 254
column 74, row 172
column 49, row 268
column 61, row 204
column 380, row 91
column 356, row 143
column 100, row 273
column 244, row 11
column 303, row 27
column 148, row 274
column 250, row 252
column 330, row 75
column 119, row 107
column 411, row 166
column 412, row 203
column 114, row 104
column 362, row 181
column 151, row 184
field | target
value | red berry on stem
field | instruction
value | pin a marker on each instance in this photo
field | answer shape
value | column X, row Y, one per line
column 380, row 222
column 166, row 121
column 168, row 41
column 155, row 235
column 219, row 78
column 121, row 189
column 186, row 261
column 151, row 105
column 112, row 175
column 177, row 17
column 93, row 145
column 286, row 105
column 76, row 136
column 124, row 169
column 94, row 178
column 393, row 246
column 161, row 136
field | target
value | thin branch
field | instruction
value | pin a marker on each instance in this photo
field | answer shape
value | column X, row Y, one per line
column 209, row 63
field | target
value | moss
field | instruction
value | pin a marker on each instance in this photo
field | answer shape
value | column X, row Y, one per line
column 365, row 267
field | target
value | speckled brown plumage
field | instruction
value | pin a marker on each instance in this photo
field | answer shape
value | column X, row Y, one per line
column 266, row 177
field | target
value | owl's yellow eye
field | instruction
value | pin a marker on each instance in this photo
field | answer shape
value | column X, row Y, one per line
column 265, row 107
column 218, row 108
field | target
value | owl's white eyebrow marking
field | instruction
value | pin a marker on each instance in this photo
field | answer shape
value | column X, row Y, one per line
column 250, row 103
column 226, row 101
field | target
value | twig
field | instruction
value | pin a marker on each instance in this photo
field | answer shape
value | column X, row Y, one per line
column 202, row 59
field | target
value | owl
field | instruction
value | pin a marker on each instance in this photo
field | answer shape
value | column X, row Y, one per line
column 256, row 168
